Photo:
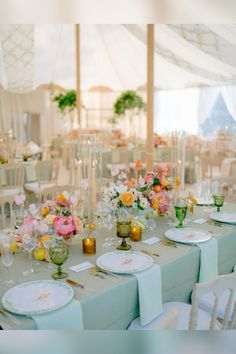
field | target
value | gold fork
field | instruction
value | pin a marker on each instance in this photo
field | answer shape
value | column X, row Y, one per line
column 149, row 253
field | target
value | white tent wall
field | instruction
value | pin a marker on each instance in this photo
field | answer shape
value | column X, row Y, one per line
column 13, row 107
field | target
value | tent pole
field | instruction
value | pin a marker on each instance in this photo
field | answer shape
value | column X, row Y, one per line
column 150, row 95
column 78, row 88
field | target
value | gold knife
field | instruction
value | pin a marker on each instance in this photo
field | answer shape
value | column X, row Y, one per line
column 74, row 283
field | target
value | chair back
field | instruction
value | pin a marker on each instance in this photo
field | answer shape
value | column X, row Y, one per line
column 10, row 199
column 216, row 287
column 51, row 193
column 12, row 177
column 47, row 171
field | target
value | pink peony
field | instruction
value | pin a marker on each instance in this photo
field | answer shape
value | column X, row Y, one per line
column 64, row 226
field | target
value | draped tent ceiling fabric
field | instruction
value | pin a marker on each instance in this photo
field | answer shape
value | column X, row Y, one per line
column 115, row 56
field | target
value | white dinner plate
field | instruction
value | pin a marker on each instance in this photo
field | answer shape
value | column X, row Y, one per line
column 205, row 201
column 187, row 235
column 225, row 217
column 37, row 297
column 124, row 262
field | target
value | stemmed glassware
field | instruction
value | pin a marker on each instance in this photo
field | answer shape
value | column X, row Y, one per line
column 181, row 207
column 29, row 241
column 218, row 201
column 7, row 256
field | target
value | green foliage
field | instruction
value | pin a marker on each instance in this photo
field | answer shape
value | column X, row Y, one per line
column 66, row 101
column 128, row 100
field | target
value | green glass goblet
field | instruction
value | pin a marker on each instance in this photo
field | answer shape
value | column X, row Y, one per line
column 180, row 212
column 218, row 201
column 59, row 253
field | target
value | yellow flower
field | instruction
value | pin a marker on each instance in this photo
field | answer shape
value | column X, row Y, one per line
column 127, row 198
column 177, row 181
column 45, row 211
column 165, row 181
column 50, row 219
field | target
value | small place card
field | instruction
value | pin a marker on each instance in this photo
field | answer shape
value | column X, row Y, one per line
column 200, row 221
column 151, row 240
column 82, row 266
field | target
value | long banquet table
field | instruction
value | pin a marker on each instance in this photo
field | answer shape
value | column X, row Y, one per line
column 112, row 303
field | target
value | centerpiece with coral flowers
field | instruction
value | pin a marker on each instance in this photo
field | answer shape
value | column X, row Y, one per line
column 54, row 220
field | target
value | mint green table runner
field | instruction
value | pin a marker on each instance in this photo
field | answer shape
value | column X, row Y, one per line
column 209, row 260
column 69, row 317
column 149, row 293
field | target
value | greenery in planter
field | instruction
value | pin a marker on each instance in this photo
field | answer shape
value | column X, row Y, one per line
column 66, row 101
column 127, row 101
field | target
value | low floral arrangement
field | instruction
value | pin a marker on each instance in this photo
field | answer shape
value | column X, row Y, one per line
column 59, row 217
column 140, row 193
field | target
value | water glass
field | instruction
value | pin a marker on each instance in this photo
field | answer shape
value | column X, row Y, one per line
column 7, row 256
column 29, row 242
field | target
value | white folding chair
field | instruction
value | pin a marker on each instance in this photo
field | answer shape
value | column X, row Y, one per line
column 47, row 176
column 11, row 179
column 191, row 316
column 221, row 300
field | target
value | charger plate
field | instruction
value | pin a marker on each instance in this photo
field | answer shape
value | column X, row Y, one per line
column 187, row 235
column 37, row 297
column 124, row 262
column 224, row 217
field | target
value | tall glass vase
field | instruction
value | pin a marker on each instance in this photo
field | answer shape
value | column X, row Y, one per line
column 86, row 170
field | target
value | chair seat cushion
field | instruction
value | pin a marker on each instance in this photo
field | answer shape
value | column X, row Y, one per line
column 35, row 188
column 203, row 319
column 206, row 303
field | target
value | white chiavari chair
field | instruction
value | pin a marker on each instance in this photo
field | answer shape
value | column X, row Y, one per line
column 11, row 179
column 192, row 317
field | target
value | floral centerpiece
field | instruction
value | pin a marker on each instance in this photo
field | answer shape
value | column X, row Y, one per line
column 140, row 193
column 57, row 217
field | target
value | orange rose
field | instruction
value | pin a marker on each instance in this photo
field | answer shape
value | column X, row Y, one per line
column 60, row 199
column 127, row 198
column 157, row 188
column 165, row 181
column 138, row 164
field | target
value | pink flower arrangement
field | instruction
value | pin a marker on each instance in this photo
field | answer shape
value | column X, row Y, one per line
column 64, row 226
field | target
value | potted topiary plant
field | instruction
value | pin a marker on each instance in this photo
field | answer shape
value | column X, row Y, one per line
column 66, row 103
column 129, row 103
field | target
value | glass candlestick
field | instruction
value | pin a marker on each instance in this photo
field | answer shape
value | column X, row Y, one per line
column 136, row 233
column 89, row 246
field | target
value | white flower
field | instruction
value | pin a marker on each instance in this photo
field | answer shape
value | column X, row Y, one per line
column 141, row 181
column 84, row 184
column 115, row 171
column 144, row 203
column 42, row 227
column 19, row 199
column 74, row 199
column 33, row 210
column 121, row 188
column 122, row 175
column 114, row 203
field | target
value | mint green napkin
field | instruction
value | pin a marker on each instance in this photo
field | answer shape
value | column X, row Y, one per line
column 150, row 295
column 208, row 260
column 69, row 317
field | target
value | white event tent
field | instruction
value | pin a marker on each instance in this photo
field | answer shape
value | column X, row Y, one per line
column 193, row 63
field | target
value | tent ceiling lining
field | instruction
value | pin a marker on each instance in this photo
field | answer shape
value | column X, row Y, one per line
column 115, row 56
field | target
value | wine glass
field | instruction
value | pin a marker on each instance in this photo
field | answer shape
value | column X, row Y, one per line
column 7, row 256
column 59, row 253
column 218, row 201
column 181, row 207
column 29, row 242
